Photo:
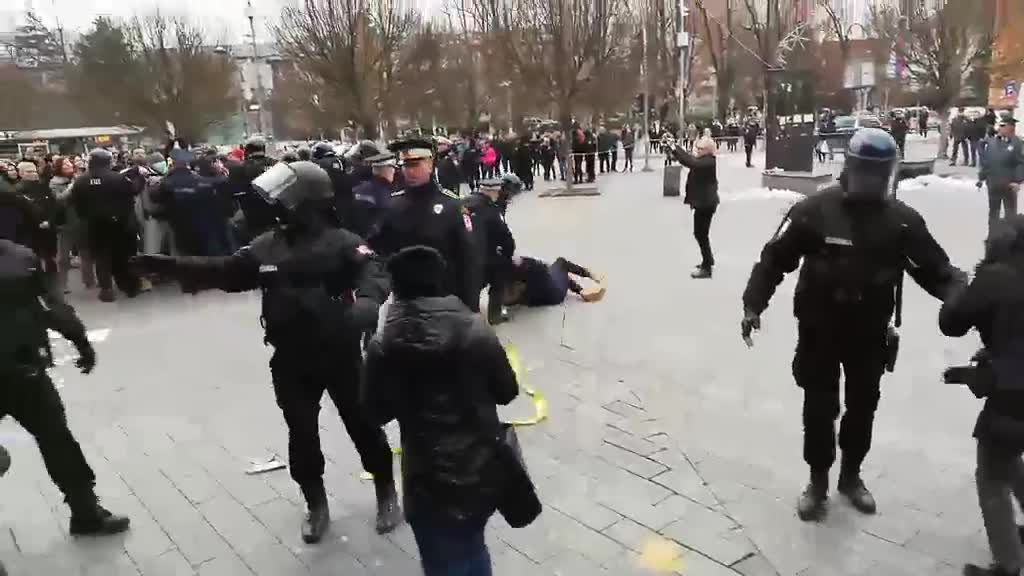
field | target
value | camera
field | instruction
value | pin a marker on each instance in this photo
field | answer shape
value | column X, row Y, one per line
column 977, row 375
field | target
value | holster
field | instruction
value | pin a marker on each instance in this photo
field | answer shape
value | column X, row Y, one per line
column 892, row 348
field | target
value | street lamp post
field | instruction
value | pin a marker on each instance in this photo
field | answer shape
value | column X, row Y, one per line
column 507, row 84
column 226, row 51
column 251, row 15
column 647, row 103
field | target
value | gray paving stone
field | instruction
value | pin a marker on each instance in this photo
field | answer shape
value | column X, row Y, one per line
column 724, row 546
column 236, row 525
column 629, row 442
column 226, row 565
column 120, row 565
column 630, row 534
column 569, row 563
column 170, row 563
column 273, row 559
column 684, row 480
column 756, row 565
column 699, row 565
column 643, row 467
column 334, row 562
column 229, row 473
column 509, row 562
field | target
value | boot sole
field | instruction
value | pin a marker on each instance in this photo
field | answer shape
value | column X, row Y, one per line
column 107, row 530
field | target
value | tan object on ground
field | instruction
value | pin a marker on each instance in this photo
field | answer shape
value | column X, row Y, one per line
column 593, row 293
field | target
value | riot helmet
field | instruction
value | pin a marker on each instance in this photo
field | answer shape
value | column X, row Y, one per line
column 511, row 184
column 255, row 148
column 323, row 150
column 304, row 153
column 357, row 154
column 293, row 185
column 870, row 169
column 100, row 158
column 289, row 157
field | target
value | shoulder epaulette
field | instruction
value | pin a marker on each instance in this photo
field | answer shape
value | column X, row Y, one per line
column 399, row 193
column 450, row 194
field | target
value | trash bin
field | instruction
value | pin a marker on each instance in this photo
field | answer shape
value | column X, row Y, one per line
column 673, row 175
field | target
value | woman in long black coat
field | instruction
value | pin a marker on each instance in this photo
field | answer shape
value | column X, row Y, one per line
column 702, row 196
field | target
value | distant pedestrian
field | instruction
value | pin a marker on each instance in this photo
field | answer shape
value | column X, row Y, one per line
column 922, row 123
column 958, row 132
column 628, row 143
column 1002, row 169
column 702, row 197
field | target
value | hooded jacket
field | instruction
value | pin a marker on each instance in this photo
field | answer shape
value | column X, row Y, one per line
column 439, row 370
column 993, row 303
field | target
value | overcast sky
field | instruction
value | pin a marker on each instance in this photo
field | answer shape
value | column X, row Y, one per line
column 216, row 15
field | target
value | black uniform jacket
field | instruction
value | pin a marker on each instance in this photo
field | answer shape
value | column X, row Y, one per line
column 430, row 216
column 27, row 310
column 440, row 370
column 316, row 291
column 994, row 304
column 853, row 255
column 491, row 234
column 105, row 196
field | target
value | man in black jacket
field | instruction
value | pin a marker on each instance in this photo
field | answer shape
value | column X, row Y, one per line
column 105, row 200
column 855, row 242
column 750, row 131
column 447, row 167
column 424, row 214
column 28, row 308
column 994, row 304
column 439, row 370
column 536, row 283
column 321, row 289
column 371, row 197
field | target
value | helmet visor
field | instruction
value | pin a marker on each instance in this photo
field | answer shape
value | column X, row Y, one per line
column 870, row 179
column 274, row 184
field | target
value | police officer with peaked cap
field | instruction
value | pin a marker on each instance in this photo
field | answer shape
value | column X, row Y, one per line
column 428, row 215
column 372, row 196
column 322, row 288
column 494, row 242
column 855, row 240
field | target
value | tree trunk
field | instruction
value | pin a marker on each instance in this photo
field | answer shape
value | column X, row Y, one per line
column 943, row 133
column 565, row 119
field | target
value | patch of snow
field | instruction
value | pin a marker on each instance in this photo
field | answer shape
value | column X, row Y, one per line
column 761, row 194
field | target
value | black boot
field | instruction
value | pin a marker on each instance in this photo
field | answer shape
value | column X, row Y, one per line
column 318, row 516
column 389, row 512
column 811, row 505
column 95, row 520
column 701, row 272
column 851, row 486
column 972, row 570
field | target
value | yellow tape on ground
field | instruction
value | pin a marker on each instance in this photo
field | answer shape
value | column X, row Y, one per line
column 540, row 404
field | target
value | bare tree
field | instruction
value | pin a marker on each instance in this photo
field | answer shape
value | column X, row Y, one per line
column 718, row 43
column 190, row 84
column 938, row 49
column 351, row 47
column 837, row 29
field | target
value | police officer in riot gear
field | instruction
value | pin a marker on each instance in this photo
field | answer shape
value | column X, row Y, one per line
column 494, row 241
column 341, row 182
column 259, row 217
column 322, row 288
column 855, row 241
column 425, row 214
column 105, row 200
column 27, row 310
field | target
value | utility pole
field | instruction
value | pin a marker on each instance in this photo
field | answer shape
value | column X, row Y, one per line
column 646, row 86
column 251, row 15
column 683, row 45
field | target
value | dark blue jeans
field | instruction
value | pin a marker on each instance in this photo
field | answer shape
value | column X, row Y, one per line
column 452, row 550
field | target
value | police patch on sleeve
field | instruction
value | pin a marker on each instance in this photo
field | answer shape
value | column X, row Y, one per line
column 438, row 208
column 467, row 221
column 364, row 250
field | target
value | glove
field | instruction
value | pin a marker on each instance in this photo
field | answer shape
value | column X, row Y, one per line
column 154, row 263
column 86, row 357
column 749, row 323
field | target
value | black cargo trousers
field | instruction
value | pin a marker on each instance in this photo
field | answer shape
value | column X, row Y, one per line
column 300, row 378
column 28, row 395
column 860, row 349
